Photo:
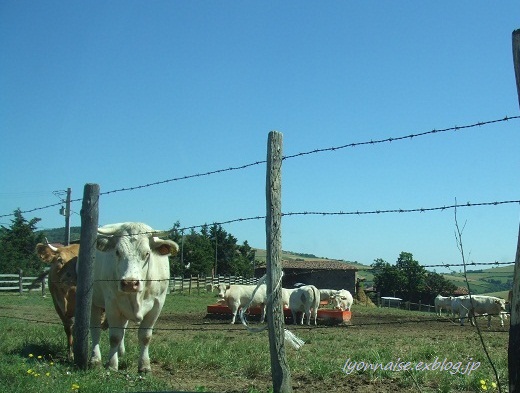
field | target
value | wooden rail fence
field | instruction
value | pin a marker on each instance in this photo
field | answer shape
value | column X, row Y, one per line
column 17, row 282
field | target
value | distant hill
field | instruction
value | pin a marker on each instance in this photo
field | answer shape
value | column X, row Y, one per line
column 57, row 235
column 495, row 279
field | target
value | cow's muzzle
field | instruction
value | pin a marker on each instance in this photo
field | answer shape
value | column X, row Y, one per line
column 129, row 285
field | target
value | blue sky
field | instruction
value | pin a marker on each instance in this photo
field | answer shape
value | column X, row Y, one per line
column 128, row 93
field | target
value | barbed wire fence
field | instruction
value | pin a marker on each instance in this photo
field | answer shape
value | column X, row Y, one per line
column 332, row 213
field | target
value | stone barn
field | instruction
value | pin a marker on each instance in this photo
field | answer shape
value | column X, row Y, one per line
column 320, row 273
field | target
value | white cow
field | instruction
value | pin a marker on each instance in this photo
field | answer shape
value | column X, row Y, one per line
column 327, row 294
column 479, row 305
column 131, row 275
column 238, row 296
column 442, row 302
column 306, row 300
column 286, row 294
column 343, row 300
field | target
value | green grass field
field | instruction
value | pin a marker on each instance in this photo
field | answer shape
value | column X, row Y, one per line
column 192, row 352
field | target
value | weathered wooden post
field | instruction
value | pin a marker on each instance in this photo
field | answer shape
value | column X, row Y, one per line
column 275, row 320
column 20, row 281
column 514, row 329
column 86, row 259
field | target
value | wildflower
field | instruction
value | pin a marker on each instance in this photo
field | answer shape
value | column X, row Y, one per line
column 30, row 371
column 40, row 356
column 75, row 387
column 51, row 364
column 31, row 355
column 48, row 374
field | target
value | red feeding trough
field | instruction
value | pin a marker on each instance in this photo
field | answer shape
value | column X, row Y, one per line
column 325, row 314
column 334, row 315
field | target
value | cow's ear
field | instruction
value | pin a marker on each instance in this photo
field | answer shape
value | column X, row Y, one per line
column 44, row 252
column 164, row 247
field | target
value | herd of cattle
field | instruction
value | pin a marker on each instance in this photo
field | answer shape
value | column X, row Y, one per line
column 304, row 299
column 470, row 307
column 131, row 278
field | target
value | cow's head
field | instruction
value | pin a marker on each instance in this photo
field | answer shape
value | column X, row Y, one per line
column 222, row 288
column 62, row 260
column 501, row 303
column 340, row 300
column 134, row 247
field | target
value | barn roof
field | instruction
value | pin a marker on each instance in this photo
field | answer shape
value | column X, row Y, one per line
column 317, row 265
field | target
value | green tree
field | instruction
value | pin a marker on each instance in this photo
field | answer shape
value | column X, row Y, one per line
column 17, row 245
column 211, row 248
column 414, row 276
column 409, row 280
column 388, row 279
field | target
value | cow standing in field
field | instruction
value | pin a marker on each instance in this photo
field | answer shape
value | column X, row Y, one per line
column 306, row 300
column 131, row 277
column 478, row 305
column 343, row 300
column 442, row 302
column 62, row 283
column 238, row 296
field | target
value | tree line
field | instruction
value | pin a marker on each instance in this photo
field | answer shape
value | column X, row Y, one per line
column 209, row 251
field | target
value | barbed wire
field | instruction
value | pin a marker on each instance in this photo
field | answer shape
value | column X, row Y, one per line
column 359, row 213
column 418, row 319
column 411, row 136
column 315, row 151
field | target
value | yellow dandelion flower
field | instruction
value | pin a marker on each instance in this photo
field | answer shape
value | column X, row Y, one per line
column 48, row 374
column 51, row 364
column 483, row 387
column 36, row 374
column 75, row 386
column 494, row 385
column 31, row 355
column 30, row 371
column 40, row 357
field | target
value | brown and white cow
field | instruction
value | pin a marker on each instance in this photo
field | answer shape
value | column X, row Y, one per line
column 131, row 278
column 62, row 283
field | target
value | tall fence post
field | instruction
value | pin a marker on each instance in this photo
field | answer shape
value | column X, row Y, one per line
column 513, row 353
column 86, row 259
column 276, row 321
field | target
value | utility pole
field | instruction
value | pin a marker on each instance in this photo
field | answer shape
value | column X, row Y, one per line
column 67, row 218
column 65, row 211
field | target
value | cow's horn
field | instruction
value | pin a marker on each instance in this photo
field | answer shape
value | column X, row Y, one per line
column 50, row 245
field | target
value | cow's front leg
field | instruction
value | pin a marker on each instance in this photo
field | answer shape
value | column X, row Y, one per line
column 116, row 334
column 95, row 334
column 145, row 336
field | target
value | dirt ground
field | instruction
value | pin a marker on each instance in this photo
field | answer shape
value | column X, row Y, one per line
column 366, row 324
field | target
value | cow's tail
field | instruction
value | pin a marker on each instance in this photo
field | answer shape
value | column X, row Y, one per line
column 316, row 300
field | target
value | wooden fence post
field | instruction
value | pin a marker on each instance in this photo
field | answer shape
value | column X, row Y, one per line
column 276, row 320
column 86, row 259
column 514, row 329
column 20, row 281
